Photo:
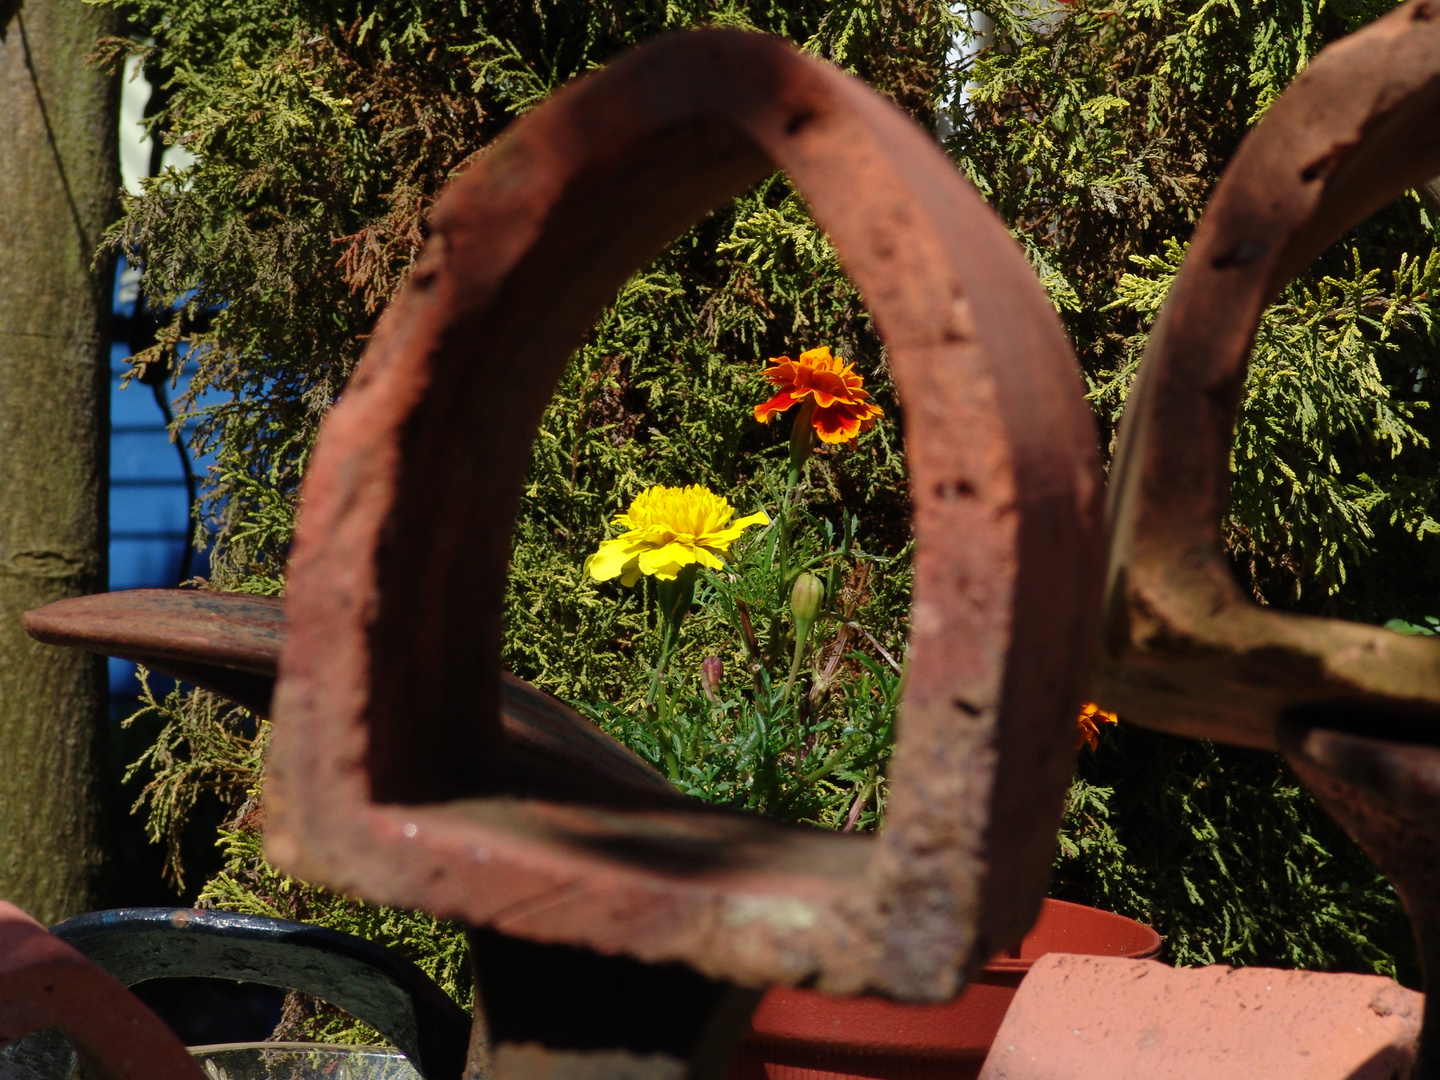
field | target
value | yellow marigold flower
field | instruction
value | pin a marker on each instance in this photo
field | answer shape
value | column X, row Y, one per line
column 1091, row 717
column 668, row 529
column 843, row 408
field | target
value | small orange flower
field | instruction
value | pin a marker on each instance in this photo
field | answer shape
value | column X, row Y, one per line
column 843, row 408
column 1091, row 717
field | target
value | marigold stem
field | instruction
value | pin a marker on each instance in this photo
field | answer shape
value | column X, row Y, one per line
column 667, row 646
column 795, row 658
column 802, row 445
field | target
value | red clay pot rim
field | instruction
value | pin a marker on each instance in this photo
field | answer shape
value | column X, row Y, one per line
column 1143, row 944
column 964, row 1026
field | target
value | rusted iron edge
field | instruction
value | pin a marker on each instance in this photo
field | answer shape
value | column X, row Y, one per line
column 44, row 983
column 1183, row 649
column 229, row 643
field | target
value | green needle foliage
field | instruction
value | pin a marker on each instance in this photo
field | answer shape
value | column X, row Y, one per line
column 1098, row 133
column 1330, row 448
column 1210, row 845
column 323, row 130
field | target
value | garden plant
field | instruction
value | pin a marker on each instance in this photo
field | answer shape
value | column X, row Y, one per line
column 781, row 746
column 727, row 596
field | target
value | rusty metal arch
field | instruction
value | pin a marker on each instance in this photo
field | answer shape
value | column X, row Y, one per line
column 390, row 777
column 1355, row 709
column 1183, row 649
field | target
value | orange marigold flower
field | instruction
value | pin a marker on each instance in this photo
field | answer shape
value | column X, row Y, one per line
column 1091, row 717
column 842, row 405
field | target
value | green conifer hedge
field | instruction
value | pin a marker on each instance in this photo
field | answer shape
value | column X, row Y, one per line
column 322, row 130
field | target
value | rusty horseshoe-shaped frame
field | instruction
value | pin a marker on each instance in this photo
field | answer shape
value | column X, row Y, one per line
column 387, row 778
column 1184, row 649
column 1356, row 709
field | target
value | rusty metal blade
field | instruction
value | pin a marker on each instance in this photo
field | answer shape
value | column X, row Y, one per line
column 231, row 642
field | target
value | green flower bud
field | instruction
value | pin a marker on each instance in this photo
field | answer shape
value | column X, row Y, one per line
column 806, row 598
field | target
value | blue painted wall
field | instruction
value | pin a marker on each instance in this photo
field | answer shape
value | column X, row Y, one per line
column 148, row 501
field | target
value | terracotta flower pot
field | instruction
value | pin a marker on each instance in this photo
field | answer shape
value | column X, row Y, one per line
column 805, row 1035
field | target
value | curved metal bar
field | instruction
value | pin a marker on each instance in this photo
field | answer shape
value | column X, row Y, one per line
column 230, row 643
column 225, row 642
column 45, row 983
column 1354, row 708
column 1183, row 649
column 373, row 984
column 389, row 776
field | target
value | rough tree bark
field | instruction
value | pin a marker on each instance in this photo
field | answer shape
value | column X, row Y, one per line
column 58, row 185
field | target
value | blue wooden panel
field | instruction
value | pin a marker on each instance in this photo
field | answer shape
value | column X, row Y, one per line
column 152, row 511
column 123, row 686
column 144, row 455
column 148, row 501
column 134, row 405
column 143, row 563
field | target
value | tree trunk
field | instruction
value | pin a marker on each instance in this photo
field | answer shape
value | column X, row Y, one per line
column 58, row 184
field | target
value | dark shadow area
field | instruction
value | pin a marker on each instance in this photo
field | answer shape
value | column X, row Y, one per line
column 573, row 999
column 1419, row 728
column 206, row 1011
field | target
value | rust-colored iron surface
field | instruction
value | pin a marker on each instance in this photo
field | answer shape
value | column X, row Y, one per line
column 226, row 642
column 1183, row 649
column 1404, row 776
column 390, row 778
column 1102, row 1018
column 1356, row 708
column 230, row 643
column 44, row 983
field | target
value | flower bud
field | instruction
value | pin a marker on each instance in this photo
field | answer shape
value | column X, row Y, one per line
column 712, row 669
column 806, row 597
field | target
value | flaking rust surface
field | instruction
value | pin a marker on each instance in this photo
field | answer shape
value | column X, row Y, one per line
column 1183, row 649
column 1355, row 708
column 225, row 642
column 387, row 699
column 230, row 643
